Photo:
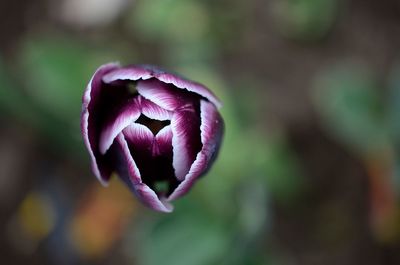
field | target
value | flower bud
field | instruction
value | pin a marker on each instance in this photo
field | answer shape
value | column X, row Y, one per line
column 158, row 131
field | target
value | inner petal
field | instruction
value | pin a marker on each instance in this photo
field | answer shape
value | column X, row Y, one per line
column 153, row 156
column 186, row 140
column 116, row 108
column 154, row 111
column 127, row 110
column 165, row 95
column 126, row 114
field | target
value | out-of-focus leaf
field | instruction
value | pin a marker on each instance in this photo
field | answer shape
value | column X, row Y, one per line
column 18, row 106
column 56, row 72
column 305, row 19
column 182, row 239
column 12, row 99
column 171, row 20
column 351, row 108
column 284, row 179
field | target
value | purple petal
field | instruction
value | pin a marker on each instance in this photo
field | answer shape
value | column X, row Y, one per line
column 127, row 73
column 164, row 95
column 163, row 143
column 196, row 170
column 186, row 143
column 188, row 85
column 150, row 198
column 132, row 169
column 126, row 115
column 140, row 137
column 144, row 72
column 154, row 111
column 212, row 127
column 133, row 179
column 153, row 154
column 100, row 166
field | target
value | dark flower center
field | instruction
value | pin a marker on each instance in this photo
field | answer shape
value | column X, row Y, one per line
column 154, row 125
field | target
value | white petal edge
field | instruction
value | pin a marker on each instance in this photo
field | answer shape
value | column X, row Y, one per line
column 150, row 198
column 189, row 86
column 158, row 93
column 202, row 159
column 180, row 160
column 137, row 130
column 85, row 120
column 124, row 119
column 128, row 73
column 153, row 111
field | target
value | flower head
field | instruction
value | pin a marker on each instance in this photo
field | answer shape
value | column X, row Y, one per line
column 159, row 132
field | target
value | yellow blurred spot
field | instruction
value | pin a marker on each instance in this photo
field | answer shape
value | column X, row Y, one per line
column 36, row 216
column 101, row 218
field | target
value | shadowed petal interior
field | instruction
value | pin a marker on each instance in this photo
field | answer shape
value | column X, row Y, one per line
column 129, row 173
column 153, row 156
column 91, row 98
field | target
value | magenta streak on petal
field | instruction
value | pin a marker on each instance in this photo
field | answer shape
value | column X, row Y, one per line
column 163, row 143
column 189, row 85
column 142, row 191
column 154, row 111
column 127, row 73
column 211, row 132
column 93, row 90
column 185, row 140
column 140, row 136
column 164, row 95
column 125, row 116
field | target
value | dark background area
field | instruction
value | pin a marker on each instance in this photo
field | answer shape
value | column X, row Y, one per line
column 309, row 171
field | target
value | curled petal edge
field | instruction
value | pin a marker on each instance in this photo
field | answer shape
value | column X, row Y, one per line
column 128, row 114
column 183, row 151
column 190, row 86
column 137, row 72
column 211, row 128
column 85, row 119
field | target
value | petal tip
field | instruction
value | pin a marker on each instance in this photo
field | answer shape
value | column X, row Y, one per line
column 150, row 198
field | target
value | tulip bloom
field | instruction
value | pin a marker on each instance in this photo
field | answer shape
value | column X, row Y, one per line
column 157, row 131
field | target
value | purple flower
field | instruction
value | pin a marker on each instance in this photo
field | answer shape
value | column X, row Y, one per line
column 157, row 131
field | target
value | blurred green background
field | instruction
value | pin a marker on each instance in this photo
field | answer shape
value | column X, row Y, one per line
column 309, row 171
